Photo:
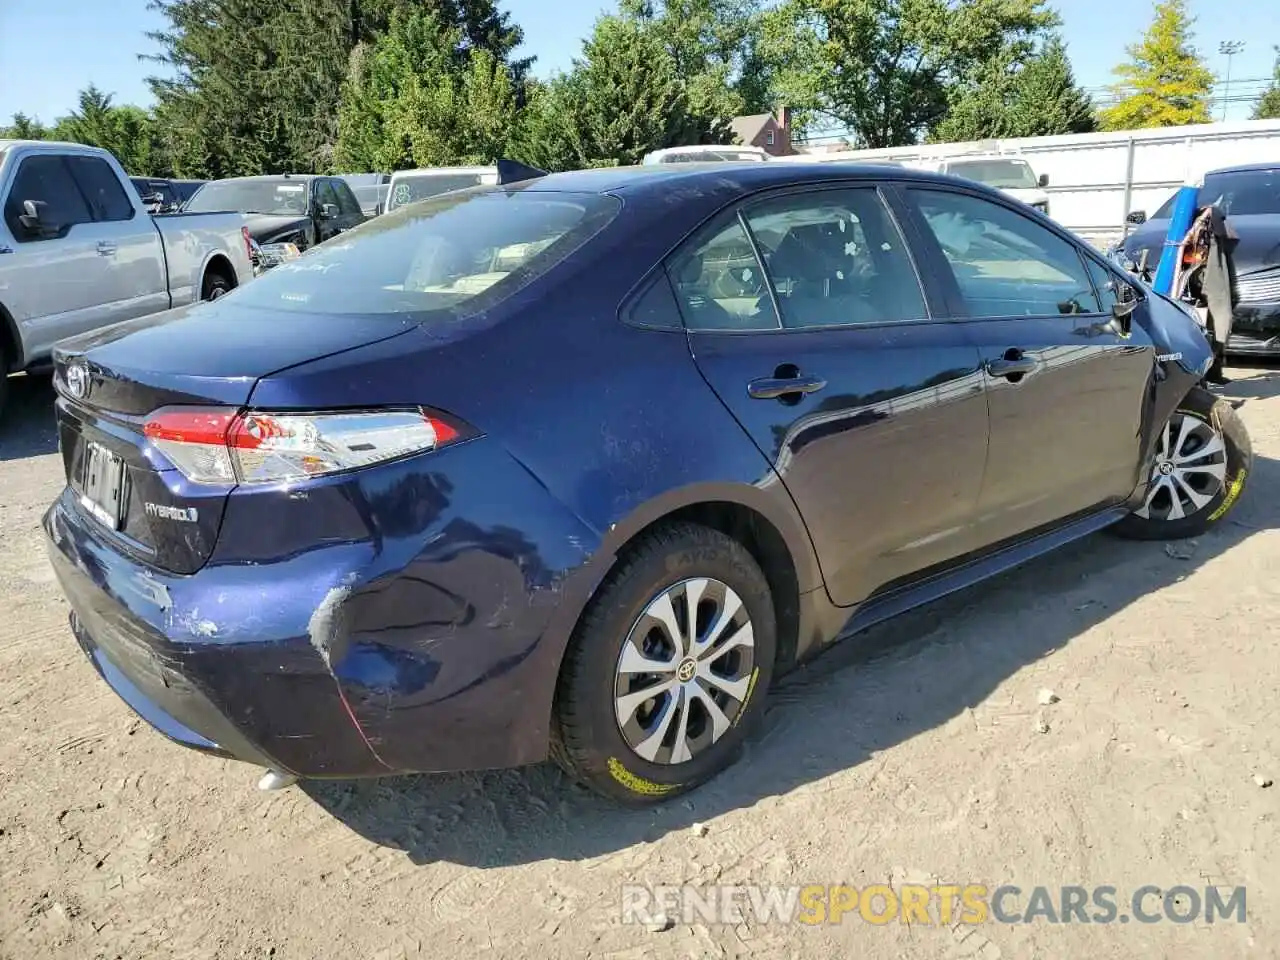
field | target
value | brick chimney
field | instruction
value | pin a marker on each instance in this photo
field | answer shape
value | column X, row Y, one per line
column 783, row 117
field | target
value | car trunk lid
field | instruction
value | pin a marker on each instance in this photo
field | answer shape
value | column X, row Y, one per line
column 210, row 355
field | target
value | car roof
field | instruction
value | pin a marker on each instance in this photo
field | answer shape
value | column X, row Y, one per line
column 304, row 177
column 719, row 177
column 1246, row 168
column 442, row 171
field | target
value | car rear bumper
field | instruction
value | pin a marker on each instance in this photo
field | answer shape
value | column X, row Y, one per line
column 339, row 661
column 1255, row 329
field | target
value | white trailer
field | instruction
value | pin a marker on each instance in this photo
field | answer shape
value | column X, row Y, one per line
column 1097, row 179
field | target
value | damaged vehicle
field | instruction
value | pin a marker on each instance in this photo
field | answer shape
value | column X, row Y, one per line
column 1249, row 197
column 576, row 465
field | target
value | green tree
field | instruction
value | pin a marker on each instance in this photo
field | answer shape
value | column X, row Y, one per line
column 623, row 98
column 1268, row 105
column 257, row 86
column 1165, row 83
column 24, row 128
column 421, row 96
column 1035, row 98
column 884, row 68
column 712, row 45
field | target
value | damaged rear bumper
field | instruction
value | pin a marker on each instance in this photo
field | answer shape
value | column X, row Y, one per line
column 431, row 643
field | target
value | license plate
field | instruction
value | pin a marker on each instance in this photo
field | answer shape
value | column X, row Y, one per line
column 101, row 484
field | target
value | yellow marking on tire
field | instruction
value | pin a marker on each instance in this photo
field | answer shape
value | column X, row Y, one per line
column 1232, row 493
column 638, row 784
column 751, row 686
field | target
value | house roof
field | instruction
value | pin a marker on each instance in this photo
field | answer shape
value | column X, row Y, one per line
column 749, row 127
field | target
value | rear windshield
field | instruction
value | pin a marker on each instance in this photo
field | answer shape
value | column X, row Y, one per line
column 275, row 196
column 1244, row 192
column 438, row 259
column 411, row 189
column 708, row 156
column 1002, row 174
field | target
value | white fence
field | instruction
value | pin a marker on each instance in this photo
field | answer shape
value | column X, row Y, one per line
column 1096, row 179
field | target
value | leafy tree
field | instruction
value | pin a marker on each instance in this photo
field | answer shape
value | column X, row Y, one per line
column 420, row 96
column 883, row 68
column 24, row 128
column 712, row 45
column 1268, row 106
column 623, row 98
column 1165, row 83
column 258, row 85
column 1036, row 98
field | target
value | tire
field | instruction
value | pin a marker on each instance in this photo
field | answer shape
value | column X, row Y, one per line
column 598, row 680
column 1216, row 455
column 214, row 286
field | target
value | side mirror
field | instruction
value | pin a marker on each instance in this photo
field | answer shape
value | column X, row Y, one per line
column 1044, row 180
column 1136, row 218
column 328, row 211
column 35, row 220
column 1126, row 303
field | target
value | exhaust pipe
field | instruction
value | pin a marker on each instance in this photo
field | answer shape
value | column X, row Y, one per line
column 275, row 780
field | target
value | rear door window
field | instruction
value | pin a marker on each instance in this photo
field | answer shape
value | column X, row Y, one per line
column 101, row 187
column 45, row 179
column 347, row 201
column 835, row 257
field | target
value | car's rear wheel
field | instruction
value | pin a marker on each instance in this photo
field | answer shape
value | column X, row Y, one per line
column 668, row 668
column 215, row 285
column 1202, row 460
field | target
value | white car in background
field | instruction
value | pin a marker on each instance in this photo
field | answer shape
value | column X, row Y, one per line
column 1011, row 175
column 704, row 153
column 79, row 251
column 409, row 186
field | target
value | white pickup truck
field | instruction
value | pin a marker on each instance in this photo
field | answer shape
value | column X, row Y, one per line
column 79, row 251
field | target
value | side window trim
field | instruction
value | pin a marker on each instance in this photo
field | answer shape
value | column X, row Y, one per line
column 942, row 267
column 760, row 262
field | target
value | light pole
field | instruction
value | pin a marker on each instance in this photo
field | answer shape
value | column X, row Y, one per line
column 1228, row 48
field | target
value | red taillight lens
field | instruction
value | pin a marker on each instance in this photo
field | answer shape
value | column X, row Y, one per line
column 248, row 243
column 220, row 446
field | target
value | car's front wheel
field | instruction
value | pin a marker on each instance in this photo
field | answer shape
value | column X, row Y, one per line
column 1202, row 460
column 668, row 668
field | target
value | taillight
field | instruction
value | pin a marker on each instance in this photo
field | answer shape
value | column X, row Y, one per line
column 220, row 446
column 248, row 243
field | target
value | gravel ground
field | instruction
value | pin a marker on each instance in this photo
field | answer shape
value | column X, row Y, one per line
column 918, row 751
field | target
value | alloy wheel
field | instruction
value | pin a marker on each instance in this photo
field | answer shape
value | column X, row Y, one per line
column 685, row 671
column 1189, row 470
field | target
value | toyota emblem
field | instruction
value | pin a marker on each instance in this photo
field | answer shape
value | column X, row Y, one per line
column 78, row 381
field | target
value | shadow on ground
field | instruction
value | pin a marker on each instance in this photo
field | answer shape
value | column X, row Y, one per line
column 866, row 695
column 27, row 424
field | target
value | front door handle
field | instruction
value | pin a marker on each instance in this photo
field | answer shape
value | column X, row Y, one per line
column 106, row 248
column 775, row 388
column 1013, row 365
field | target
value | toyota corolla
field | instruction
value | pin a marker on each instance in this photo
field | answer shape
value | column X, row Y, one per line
column 576, row 466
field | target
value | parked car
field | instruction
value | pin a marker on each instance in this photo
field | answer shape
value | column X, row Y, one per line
column 410, row 186
column 164, row 196
column 704, row 153
column 78, row 251
column 564, row 468
column 1250, row 197
column 1012, row 176
column 371, row 190
column 296, row 209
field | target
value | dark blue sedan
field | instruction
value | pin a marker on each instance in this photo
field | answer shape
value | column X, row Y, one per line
column 575, row 466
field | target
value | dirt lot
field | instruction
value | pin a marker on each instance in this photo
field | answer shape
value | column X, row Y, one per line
column 918, row 751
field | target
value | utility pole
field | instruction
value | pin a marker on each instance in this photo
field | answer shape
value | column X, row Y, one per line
column 1228, row 48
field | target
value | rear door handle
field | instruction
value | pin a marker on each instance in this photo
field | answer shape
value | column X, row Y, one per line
column 774, row 388
column 1014, row 363
column 106, row 248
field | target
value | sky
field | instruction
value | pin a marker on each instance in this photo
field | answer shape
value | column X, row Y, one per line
column 50, row 49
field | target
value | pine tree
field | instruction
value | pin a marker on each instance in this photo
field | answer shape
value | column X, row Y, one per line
column 1166, row 83
column 623, row 98
column 1036, row 98
column 24, row 128
column 1268, row 106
